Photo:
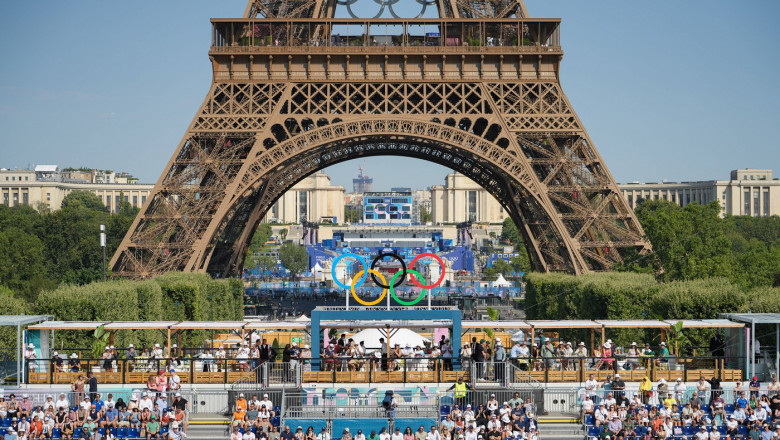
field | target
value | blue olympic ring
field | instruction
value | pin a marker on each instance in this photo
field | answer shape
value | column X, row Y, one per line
column 355, row 257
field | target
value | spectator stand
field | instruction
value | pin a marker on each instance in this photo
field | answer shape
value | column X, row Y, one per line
column 12, row 362
column 762, row 326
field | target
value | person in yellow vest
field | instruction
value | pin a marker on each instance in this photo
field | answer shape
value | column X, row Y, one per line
column 646, row 388
column 461, row 391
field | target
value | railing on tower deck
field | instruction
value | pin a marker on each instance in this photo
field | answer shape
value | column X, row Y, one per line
column 372, row 369
column 386, row 35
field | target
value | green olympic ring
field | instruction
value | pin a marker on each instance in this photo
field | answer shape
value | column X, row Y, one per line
column 392, row 290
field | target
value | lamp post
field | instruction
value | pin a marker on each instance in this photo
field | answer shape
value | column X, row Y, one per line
column 103, row 245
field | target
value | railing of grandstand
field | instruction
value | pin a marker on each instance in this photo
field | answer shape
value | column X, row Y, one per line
column 356, row 404
column 689, row 394
column 373, row 369
column 578, row 369
column 338, row 308
column 204, row 370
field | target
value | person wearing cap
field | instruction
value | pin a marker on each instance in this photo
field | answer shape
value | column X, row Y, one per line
column 110, row 418
column 494, row 429
column 663, row 356
column 754, row 386
column 153, row 427
column 499, row 359
column 397, row 435
column 30, row 357
column 548, row 354
column 57, row 363
column 619, row 388
column 323, row 434
column 267, row 403
column 461, row 390
column 176, row 433
column 174, row 381
column 632, row 357
column 580, row 352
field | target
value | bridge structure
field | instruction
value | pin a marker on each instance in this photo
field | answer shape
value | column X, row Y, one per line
column 299, row 85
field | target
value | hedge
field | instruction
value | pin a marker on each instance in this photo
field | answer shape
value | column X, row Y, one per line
column 172, row 296
column 639, row 296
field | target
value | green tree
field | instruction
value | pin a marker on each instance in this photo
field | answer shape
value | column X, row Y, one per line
column 294, row 258
column 85, row 199
column 689, row 242
column 425, row 215
column 352, row 214
column 511, row 235
column 259, row 239
column 21, row 262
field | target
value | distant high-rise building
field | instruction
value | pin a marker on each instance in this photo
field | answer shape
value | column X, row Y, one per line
column 363, row 183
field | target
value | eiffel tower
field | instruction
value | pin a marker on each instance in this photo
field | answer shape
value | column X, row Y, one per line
column 297, row 89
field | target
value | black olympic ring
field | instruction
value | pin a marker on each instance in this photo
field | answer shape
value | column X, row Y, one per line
column 403, row 266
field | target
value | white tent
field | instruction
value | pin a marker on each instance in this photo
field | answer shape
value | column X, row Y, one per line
column 302, row 318
column 403, row 336
column 501, row 282
column 318, row 272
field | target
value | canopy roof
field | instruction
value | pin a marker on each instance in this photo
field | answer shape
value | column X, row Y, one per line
column 758, row 318
column 753, row 318
column 16, row 320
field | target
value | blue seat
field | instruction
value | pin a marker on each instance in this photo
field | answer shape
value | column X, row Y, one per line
column 722, row 430
column 102, row 431
column 121, row 432
column 729, row 408
column 6, row 422
column 593, row 431
column 277, row 409
column 706, row 408
column 641, row 430
column 589, row 419
column 133, row 432
column 276, row 421
column 3, row 431
column 443, row 417
column 445, row 409
column 55, row 433
column 742, row 430
column 688, row 430
column 163, row 431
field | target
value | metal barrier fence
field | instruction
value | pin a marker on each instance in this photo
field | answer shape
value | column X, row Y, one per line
column 357, row 404
column 688, row 394
column 504, row 374
column 270, row 374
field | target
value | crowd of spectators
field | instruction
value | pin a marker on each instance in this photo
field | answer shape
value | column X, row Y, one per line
column 704, row 411
column 153, row 416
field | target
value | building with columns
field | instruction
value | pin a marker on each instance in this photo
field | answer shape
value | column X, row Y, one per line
column 750, row 191
column 44, row 188
column 313, row 199
column 461, row 199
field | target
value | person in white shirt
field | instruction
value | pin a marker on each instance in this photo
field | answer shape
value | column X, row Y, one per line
column 679, row 391
column 86, row 404
column 175, row 433
column 323, row 435
column 505, row 414
column 610, row 400
column 471, row 433
column 267, row 402
column 145, row 403
column 760, row 414
column 468, row 415
column 397, row 435
column 433, row 434
column 360, row 435
column 494, row 422
column 62, row 402
column 587, row 406
column 601, row 414
column 49, row 403
column 492, row 404
column 702, row 434
column 174, row 382
column 248, row 435
column 591, row 387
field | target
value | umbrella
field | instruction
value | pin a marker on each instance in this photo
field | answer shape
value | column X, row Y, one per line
column 403, row 336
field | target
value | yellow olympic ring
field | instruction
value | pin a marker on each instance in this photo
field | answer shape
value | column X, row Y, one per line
column 366, row 303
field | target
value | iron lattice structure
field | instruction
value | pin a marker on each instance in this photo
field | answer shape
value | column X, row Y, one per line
column 296, row 90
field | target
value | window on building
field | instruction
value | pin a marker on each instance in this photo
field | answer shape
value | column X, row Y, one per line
column 26, row 178
column 48, row 197
column 127, row 199
column 406, row 216
column 108, row 201
column 25, row 199
column 303, row 205
column 394, row 216
column 381, row 216
column 747, row 202
column 766, row 202
column 472, row 205
column 406, row 208
column 16, row 199
column 674, row 197
column 687, row 198
column 392, row 208
column 143, row 200
column 5, row 199
column 116, row 203
column 631, row 200
column 369, row 216
column 135, row 201
column 13, row 178
column 756, row 203
column 368, row 208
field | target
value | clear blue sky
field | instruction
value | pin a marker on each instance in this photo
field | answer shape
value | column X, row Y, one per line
column 677, row 90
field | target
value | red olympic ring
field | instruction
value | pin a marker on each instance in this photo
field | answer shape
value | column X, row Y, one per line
column 441, row 264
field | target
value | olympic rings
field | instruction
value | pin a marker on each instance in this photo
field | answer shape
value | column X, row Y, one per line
column 381, row 256
column 407, row 303
column 441, row 264
column 355, row 257
column 366, row 303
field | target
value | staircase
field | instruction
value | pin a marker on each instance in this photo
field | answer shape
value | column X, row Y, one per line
column 554, row 428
